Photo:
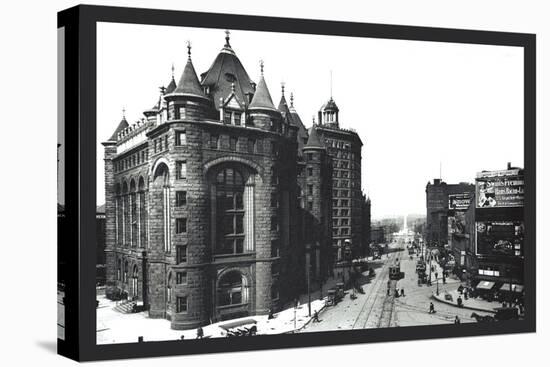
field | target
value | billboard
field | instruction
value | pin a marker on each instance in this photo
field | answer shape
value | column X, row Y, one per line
column 459, row 201
column 499, row 238
column 457, row 223
column 496, row 190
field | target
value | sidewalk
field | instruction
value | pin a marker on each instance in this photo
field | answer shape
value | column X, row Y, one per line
column 470, row 303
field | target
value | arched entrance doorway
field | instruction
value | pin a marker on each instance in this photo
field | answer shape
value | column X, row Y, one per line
column 232, row 295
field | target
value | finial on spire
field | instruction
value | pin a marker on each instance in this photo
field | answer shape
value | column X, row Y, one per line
column 262, row 67
column 291, row 99
column 172, row 70
column 283, row 88
column 227, row 33
column 189, row 50
column 124, row 113
column 331, row 84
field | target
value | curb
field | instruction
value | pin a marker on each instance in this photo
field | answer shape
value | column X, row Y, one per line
column 308, row 321
column 466, row 307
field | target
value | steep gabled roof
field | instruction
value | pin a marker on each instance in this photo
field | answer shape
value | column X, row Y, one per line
column 262, row 98
column 121, row 126
column 314, row 142
column 226, row 70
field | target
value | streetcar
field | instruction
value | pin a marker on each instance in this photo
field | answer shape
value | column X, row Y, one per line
column 396, row 273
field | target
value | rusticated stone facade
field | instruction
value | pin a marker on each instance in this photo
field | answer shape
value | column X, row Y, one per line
column 217, row 202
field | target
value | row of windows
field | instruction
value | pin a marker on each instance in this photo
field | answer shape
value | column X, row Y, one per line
column 340, row 231
column 176, row 112
column 340, row 222
column 131, row 161
column 338, row 144
column 342, row 202
column 345, row 155
column 251, row 146
column 340, row 212
column 340, row 183
column 343, row 174
column 160, row 144
column 340, row 193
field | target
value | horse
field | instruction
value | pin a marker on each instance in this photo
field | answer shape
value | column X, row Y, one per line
column 480, row 318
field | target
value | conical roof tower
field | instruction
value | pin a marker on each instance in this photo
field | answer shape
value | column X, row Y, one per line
column 313, row 142
column 123, row 124
column 262, row 98
column 189, row 84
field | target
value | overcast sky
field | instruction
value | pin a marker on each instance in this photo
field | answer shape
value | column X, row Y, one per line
column 415, row 105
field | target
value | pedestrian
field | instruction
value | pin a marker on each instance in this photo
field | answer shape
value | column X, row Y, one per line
column 402, row 292
column 316, row 316
column 200, row 333
column 465, row 295
column 270, row 315
column 182, row 337
column 459, row 301
column 457, row 320
column 436, row 275
column 432, row 308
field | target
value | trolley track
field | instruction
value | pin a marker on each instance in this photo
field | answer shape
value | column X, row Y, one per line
column 373, row 299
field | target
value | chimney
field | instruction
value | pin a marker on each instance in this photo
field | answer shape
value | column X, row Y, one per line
column 509, row 165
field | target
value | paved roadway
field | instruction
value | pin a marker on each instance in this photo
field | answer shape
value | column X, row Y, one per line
column 376, row 309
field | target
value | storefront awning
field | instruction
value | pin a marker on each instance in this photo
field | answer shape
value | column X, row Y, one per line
column 485, row 284
column 518, row 288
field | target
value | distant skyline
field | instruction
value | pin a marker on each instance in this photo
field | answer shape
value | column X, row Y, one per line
column 414, row 104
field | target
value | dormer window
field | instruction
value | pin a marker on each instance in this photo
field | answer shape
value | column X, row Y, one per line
column 237, row 118
column 227, row 117
column 230, row 77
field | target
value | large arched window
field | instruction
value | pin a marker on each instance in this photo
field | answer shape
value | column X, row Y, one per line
column 133, row 214
column 161, row 196
column 119, row 269
column 142, row 213
column 125, row 276
column 134, row 284
column 231, row 289
column 229, row 212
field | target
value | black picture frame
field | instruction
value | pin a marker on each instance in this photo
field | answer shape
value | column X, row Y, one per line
column 77, row 242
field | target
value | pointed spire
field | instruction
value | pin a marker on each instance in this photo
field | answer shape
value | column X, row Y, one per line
column 227, row 34
column 171, row 86
column 189, row 82
column 283, row 89
column 262, row 98
column 123, row 124
column 313, row 142
column 291, row 100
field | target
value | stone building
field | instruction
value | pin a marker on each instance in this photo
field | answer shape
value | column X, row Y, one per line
column 344, row 149
column 218, row 202
column 437, row 208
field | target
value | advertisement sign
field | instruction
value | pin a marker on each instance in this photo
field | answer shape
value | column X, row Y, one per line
column 457, row 223
column 459, row 201
column 499, row 238
column 499, row 191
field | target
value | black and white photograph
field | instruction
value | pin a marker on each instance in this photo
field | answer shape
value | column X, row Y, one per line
column 256, row 183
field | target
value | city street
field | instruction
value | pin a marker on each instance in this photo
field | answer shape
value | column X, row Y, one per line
column 376, row 309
